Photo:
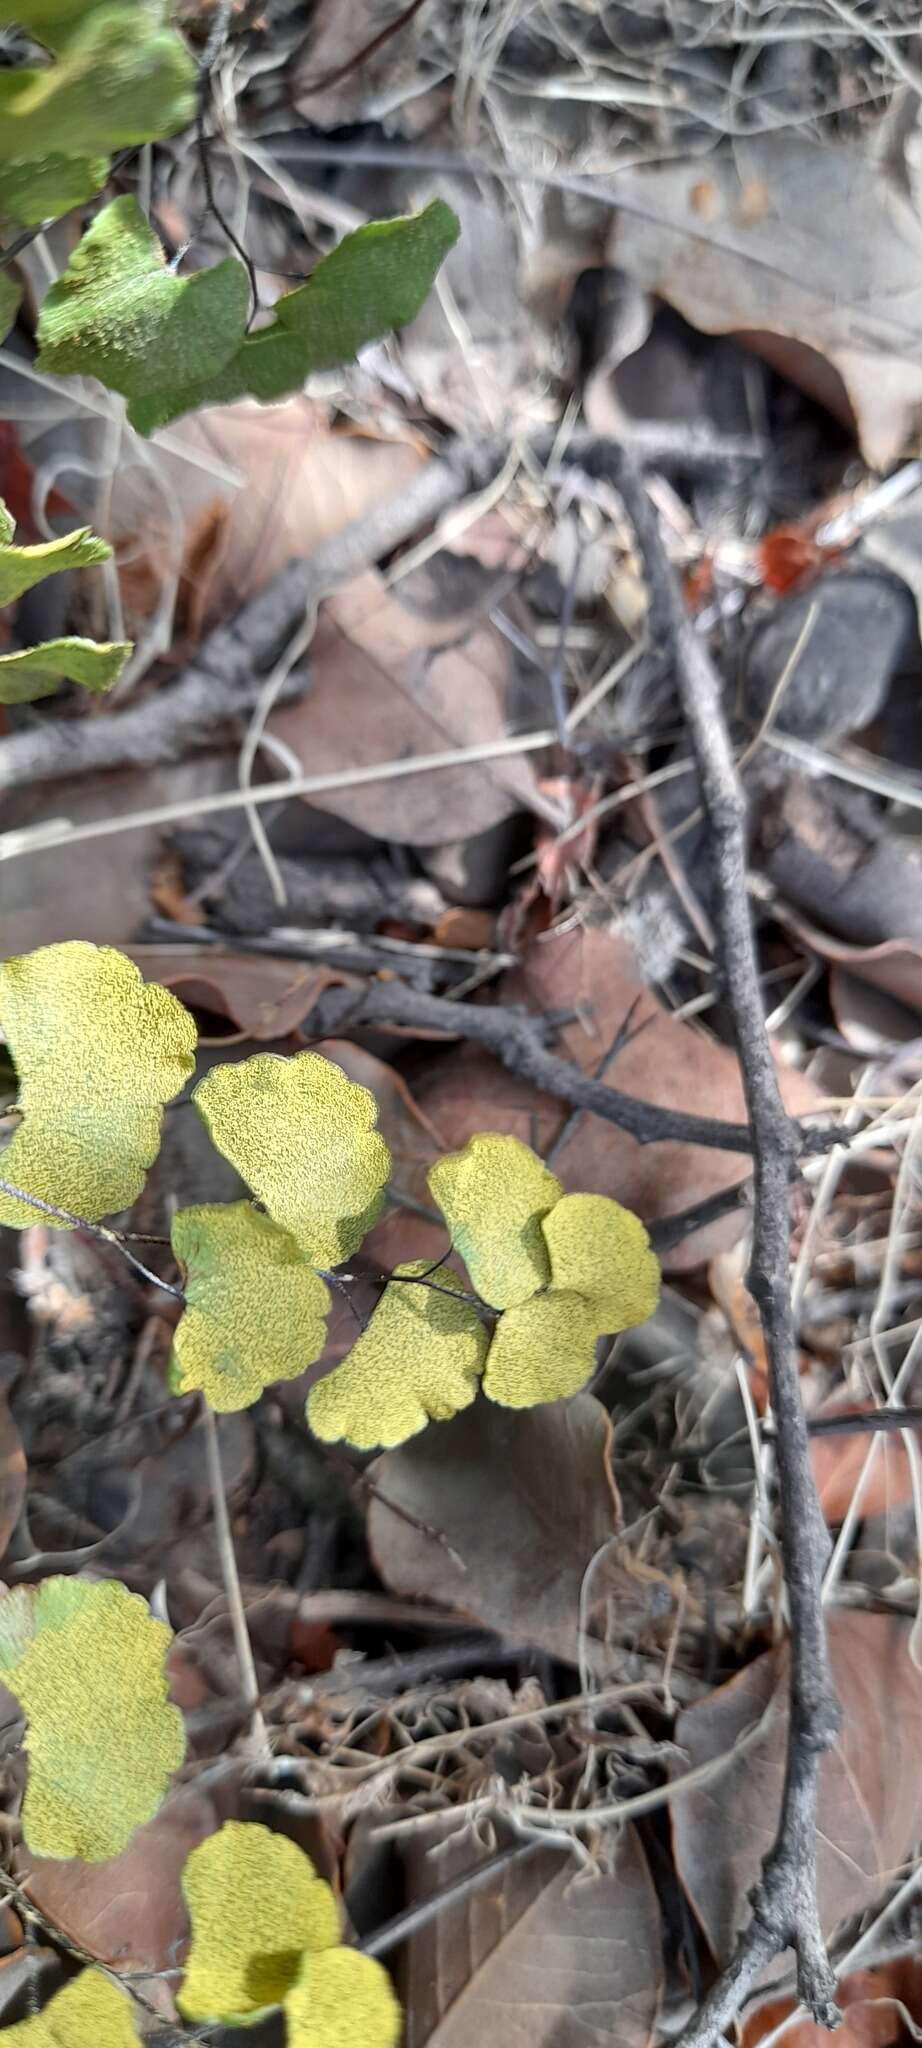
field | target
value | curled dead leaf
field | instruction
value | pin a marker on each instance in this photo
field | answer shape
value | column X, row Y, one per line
column 253, row 485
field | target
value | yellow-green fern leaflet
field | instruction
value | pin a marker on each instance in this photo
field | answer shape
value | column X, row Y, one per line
column 98, row 1053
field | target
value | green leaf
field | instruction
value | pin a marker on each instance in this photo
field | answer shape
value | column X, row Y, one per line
column 170, row 344
column 50, row 21
column 542, row 1351
column 34, row 190
column 256, row 1905
column 602, row 1252
column 98, row 1052
column 10, row 296
column 35, row 671
column 89, row 2013
column 20, row 568
column 86, row 1663
column 121, row 78
column 119, row 314
column 493, row 1196
column 375, row 280
column 419, row 1361
column 342, row 2000
column 254, row 1309
column 302, row 1136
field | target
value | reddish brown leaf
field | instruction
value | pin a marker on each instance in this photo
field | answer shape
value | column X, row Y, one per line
column 838, row 1462
column 522, row 1501
column 460, row 926
column 466, row 1090
column 555, row 863
column 548, row 1957
column 870, row 1792
column 870, row 2001
column 265, row 997
column 789, row 555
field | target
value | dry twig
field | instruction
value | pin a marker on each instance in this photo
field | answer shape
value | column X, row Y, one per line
column 516, row 1038
column 785, row 1912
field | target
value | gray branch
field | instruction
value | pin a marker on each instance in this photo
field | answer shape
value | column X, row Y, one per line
column 785, row 1911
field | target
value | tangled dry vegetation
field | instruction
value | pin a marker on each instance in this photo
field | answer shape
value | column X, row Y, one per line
column 525, row 718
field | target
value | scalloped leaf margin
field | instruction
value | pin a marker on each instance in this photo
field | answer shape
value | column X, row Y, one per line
column 98, row 1053
column 86, row 1663
column 170, row 344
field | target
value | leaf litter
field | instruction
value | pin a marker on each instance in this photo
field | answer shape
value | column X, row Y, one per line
column 500, row 1636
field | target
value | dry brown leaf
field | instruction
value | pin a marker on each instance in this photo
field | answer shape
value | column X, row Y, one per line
column 521, row 1538
column 299, row 483
column 388, row 684
column 870, row 1786
column 465, row 1090
column 893, row 965
column 461, row 925
column 838, row 1462
column 503, row 539
column 672, row 1064
column 870, row 2001
column 129, row 1912
column 548, row 1957
column 831, row 260
column 265, row 997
